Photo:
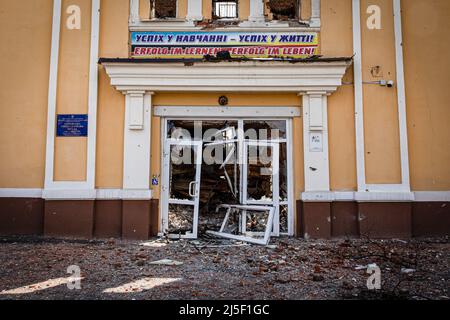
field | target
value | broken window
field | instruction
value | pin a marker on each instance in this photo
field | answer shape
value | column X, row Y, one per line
column 225, row 9
column 283, row 9
column 163, row 9
column 265, row 129
column 223, row 164
column 181, row 219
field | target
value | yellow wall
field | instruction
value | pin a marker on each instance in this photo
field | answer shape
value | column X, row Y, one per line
column 25, row 36
column 24, row 87
column 144, row 9
column 234, row 99
column 305, row 9
column 244, row 10
column 297, row 145
column 427, row 65
column 72, row 91
column 207, row 10
column 156, row 151
column 337, row 41
column 381, row 131
column 111, row 103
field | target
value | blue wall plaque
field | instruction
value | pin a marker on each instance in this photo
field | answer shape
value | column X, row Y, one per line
column 72, row 125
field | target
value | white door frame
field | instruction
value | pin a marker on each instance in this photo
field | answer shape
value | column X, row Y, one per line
column 290, row 161
column 166, row 154
column 275, row 145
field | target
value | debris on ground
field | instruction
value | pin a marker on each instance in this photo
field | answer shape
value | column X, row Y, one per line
column 167, row 262
column 36, row 268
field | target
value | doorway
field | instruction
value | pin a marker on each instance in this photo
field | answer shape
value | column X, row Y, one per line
column 208, row 163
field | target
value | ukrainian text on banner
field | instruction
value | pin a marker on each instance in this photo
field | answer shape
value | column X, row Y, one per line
column 176, row 45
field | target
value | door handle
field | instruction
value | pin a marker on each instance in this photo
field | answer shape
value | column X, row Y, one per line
column 193, row 192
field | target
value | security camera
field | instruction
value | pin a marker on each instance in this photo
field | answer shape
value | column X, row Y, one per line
column 385, row 83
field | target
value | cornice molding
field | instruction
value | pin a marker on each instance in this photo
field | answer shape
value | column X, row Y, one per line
column 243, row 76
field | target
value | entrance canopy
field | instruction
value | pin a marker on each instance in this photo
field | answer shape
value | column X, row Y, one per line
column 321, row 74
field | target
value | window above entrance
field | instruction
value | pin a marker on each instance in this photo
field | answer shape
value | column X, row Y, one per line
column 225, row 9
column 163, row 9
column 184, row 15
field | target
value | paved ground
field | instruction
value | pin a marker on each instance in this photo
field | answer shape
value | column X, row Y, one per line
column 36, row 268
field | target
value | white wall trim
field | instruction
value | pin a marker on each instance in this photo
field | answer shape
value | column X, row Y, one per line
column 52, row 91
column 71, row 194
column 357, row 196
column 20, row 193
column 401, row 94
column 436, row 196
column 226, row 112
column 93, row 95
column 359, row 109
column 315, row 14
column 74, row 194
column 318, row 196
column 386, row 188
column 417, row 196
column 384, row 196
column 50, row 184
column 120, row 194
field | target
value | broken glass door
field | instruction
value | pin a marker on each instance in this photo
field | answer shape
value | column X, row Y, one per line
column 261, row 183
column 182, row 165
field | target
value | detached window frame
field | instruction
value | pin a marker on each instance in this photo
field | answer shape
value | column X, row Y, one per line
column 216, row 7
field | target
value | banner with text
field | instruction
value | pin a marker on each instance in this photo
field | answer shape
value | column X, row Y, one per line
column 178, row 45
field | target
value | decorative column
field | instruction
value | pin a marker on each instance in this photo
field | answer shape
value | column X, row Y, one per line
column 316, row 207
column 194, row 11
column 315, row 137
column 256, row 17
column 134, row 12
column 137, row 135
column 137, row 218
column 315, row 14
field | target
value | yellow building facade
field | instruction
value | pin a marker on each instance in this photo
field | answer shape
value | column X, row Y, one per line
column 90, row 90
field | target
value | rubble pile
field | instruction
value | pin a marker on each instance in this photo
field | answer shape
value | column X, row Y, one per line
column 210, row 268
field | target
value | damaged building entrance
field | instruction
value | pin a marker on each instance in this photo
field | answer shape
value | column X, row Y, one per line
column 230, row 178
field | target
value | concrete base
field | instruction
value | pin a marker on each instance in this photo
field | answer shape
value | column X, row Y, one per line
column 385, row 220
column 375, row 220
column 108, row 219
column 133, row 220
column 431, row 219
column 139, row 220
column 344, row 220
column 69, row 218
column 316, row 220
column 136, row 220
column 21, row 216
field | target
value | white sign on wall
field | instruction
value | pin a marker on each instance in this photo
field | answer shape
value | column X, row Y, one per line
column 315, row 142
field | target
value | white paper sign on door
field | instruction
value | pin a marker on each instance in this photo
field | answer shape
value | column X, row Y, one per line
column 315, row 142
